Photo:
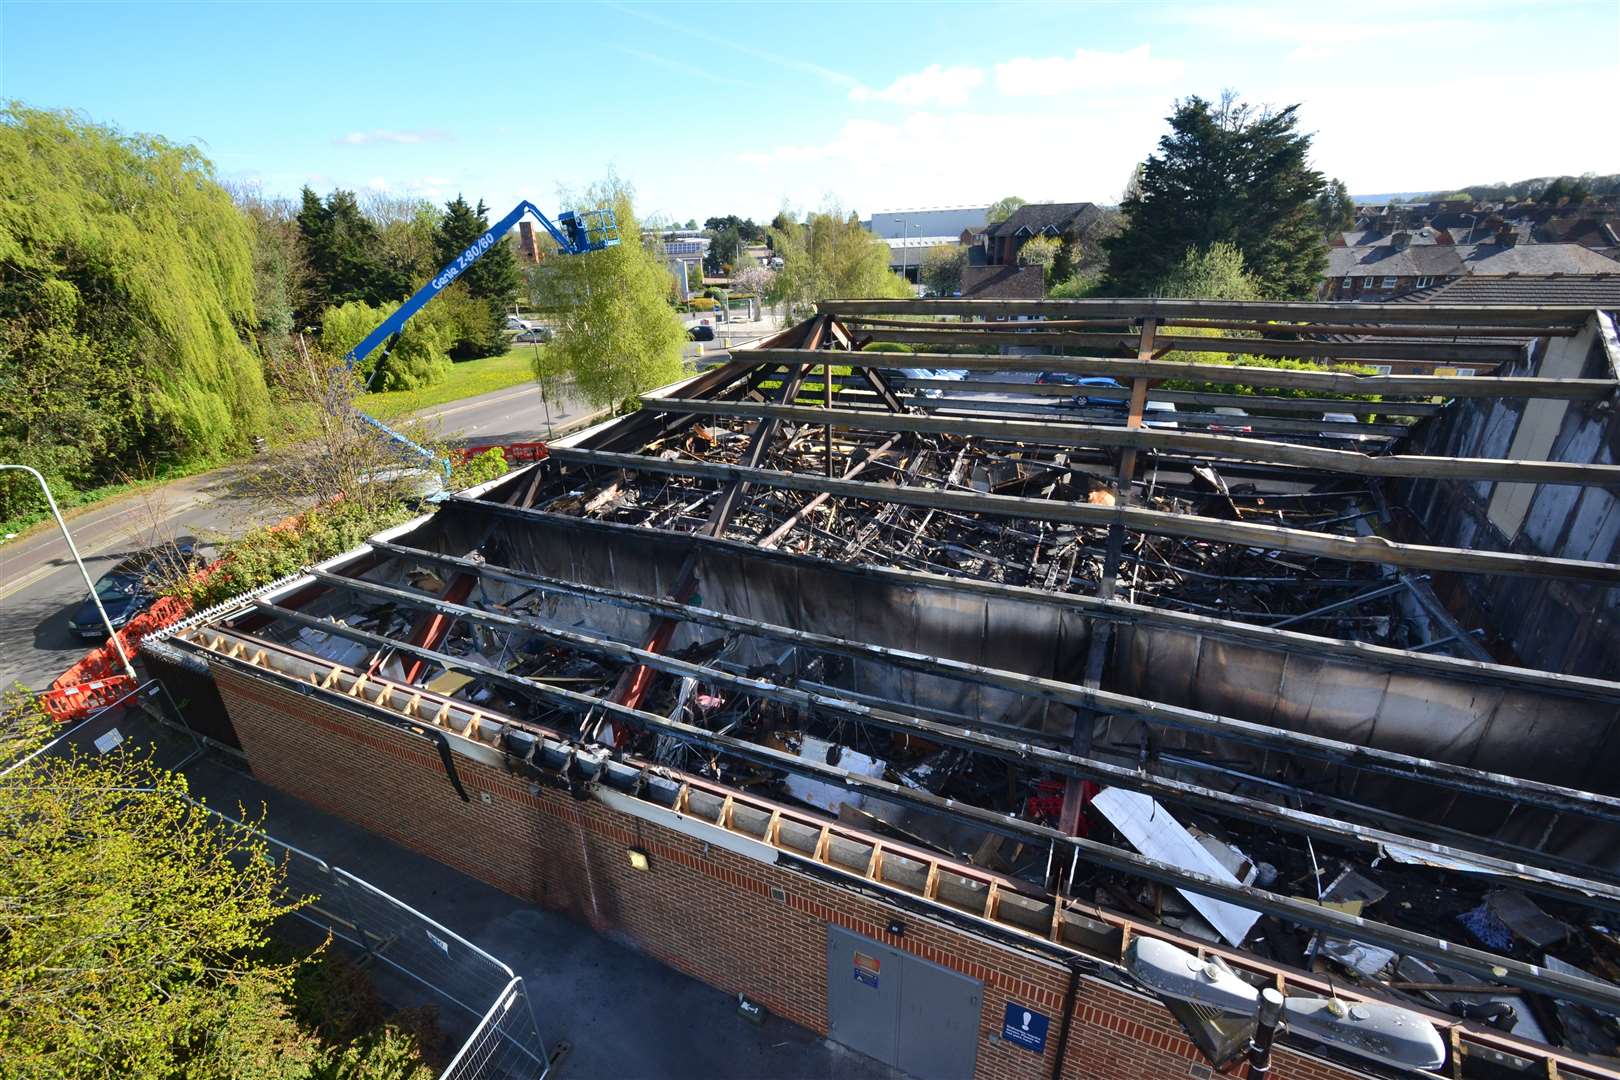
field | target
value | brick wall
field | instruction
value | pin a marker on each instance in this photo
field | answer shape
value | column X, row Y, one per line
column 709, row 913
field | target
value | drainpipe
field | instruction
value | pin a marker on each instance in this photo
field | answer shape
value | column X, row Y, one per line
column 1068, row 1013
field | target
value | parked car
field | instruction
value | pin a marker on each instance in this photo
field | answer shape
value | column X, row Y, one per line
column 128, row 588
column 1160, row 414
column 1344, row 418
column 1089, row 385
column 910, row 374
column 1234, row 426
column 702, row 330
column 515, row 323
column 536, row 335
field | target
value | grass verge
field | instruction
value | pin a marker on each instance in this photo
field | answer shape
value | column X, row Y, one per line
column 469, row 378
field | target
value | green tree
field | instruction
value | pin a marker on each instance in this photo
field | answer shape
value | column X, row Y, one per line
column 1002, row 209
column 831, row 255
column 725, row 250
column 126, row 304
column 133, row 928
column 345, row 255
column 1225, row 172
column 1212, row 273
column 421, row 356
column 617, row 334
column 1041, row 251
column 492, row 280
column 745, row 228
column 407, row 234
column 942, row 268
column 279, row 271
column 1335, row 210
column 136, row 932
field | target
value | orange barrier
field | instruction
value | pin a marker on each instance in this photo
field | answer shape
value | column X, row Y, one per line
column 69, row 703
column 517, row 453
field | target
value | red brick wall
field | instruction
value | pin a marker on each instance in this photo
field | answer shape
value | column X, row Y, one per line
column 709, row 914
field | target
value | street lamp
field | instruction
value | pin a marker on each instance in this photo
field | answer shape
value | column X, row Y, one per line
column 118, row 646
column 1385, row 1033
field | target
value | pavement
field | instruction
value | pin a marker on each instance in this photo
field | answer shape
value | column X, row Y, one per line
column 625, row 1014
column 39, row 585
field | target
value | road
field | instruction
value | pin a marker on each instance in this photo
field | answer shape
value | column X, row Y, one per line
column 39, row 585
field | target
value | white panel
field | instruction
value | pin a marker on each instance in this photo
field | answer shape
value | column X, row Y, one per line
column 1152, row 831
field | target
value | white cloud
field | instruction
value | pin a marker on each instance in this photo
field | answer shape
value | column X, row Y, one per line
column 382, row 135
column 378, row 183
column 1045, row 76
column 933, row 85
column 1086, row 154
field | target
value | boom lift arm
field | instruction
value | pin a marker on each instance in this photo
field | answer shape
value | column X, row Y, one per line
column 575, row 234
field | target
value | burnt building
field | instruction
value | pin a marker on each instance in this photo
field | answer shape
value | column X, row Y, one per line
column 926, row 711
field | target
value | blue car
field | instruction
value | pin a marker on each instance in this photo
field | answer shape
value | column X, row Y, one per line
column 127, row 589
column 1094, row 382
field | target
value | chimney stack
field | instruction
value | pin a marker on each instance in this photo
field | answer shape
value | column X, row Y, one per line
column 528, row 249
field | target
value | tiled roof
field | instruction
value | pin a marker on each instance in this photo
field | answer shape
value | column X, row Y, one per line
column 1599, row 290
column 1037, row 217
column 1536, row 259
column 1448, row 260
column 1419, row 260
column 1003, row 282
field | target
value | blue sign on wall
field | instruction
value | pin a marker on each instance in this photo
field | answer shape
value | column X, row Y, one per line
column 1024, row 1027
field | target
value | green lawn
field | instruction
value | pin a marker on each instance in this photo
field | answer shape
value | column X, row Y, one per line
column 466, row 379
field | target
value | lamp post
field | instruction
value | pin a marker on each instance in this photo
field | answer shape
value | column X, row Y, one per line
column 118, row 646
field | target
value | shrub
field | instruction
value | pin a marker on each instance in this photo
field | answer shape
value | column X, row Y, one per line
column 275, row 551
column 470, row 472
column 887, row 346
column 421, row 358
column 702, row 303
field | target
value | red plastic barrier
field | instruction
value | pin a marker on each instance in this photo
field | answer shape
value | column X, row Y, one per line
column 517, row 453
column 74, row 702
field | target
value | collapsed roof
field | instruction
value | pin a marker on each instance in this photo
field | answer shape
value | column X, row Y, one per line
column 996, row 625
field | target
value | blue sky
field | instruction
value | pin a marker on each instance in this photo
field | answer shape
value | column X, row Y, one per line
column 709, row 109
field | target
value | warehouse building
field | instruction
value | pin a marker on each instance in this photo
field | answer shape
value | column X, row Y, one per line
column 940, row 715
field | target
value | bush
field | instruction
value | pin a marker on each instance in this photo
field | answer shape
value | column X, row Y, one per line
column 470, row 472
column 702, row 303
column 275, row 551
column 888, row 346
column 421, row 358
column 1077, row 287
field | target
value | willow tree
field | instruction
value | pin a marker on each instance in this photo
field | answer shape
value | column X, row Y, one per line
column 126, row 294
column 616, row 333
column 831, row 255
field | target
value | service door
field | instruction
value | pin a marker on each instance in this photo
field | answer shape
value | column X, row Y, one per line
column 921, row 1018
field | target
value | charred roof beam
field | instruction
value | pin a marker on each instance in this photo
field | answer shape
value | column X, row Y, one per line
column 1487, row 965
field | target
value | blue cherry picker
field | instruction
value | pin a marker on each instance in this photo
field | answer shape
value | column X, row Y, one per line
column 575, row 233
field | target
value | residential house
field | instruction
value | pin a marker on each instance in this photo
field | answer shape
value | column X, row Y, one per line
column 1379, row 272
column 1062, row 221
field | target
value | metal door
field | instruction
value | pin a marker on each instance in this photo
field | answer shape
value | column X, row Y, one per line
column 939, row 1022
column 921, row 1018
column 863, row 994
